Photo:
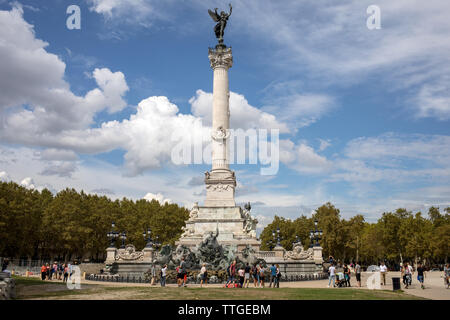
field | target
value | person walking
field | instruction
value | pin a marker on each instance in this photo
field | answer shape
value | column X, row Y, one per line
column 358, row 273
column 5, row 264
column 153, row 272
column 408, row 275
column 278, row 276
column 163, row 275
column 332, row 275
column 203, row 275
column 421, row 275
column 383, row 270
column 247, row 271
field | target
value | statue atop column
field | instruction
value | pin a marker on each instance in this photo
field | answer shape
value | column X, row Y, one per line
column 221, row 20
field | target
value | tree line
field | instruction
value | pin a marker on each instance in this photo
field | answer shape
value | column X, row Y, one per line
column 74, row 225
column 396, row 236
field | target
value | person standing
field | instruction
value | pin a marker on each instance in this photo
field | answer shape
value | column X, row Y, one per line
column 203, row 275
column 153, row 271
column 179, row 276
column 421, row 275
column 447, row 275
column 383, row 270
column 278, row 276
column 60, row 270
column 183, row 271
column 43, row 272
column 332, row 275
column 347, row 275
column 247, row 275
column 66, row 273
column 241, row 274
column 272, row 275
column 358, row 274
column 261, row 277
column 255, row 275
column 163, row 275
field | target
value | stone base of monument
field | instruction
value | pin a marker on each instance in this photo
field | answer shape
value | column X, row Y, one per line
column 235, row 227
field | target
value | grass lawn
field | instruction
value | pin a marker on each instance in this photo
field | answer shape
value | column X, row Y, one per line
column 32, row 288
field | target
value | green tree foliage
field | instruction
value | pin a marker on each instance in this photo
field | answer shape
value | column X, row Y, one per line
column 74, row 224
column 396, row 236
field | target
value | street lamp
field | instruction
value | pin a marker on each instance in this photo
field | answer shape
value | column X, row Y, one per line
column 112, row 235
column 315, row 235
column 123, row 236
column 148, row 237
column 278, row 237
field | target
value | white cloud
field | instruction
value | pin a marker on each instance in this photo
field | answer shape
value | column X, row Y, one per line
column 303, row 158
column 433, row 100
column 33, row 78
column 4, row 177
column 28, row 183
column 244, row 116
column 158, row 197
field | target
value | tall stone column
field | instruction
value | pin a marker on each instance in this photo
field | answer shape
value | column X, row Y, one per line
column 221, row 181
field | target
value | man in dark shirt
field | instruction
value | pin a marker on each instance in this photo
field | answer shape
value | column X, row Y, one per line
column 421, row 275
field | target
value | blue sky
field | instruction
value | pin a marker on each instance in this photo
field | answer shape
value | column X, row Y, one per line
column 364, row 114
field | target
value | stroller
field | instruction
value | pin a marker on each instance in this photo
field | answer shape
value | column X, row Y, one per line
column 340, row 280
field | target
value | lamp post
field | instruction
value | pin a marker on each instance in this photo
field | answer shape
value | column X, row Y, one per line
column 123, row 236
column 148, row 237
column 315, row 235
column 112, row 235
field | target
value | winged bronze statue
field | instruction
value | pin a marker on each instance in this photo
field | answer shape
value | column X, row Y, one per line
column 221, row 20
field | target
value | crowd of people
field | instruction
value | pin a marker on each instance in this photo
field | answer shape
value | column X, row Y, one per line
column 237, row 277
column 342, row 279
column 56, row 271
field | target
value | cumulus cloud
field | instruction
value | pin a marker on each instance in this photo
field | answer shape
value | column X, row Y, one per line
column 303, row 158
column 28, row 183
column 36, row 100
column 158, row 197
column 244, row 116
column 4, row 177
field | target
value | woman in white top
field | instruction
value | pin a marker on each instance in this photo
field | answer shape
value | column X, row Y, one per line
column 203, row 275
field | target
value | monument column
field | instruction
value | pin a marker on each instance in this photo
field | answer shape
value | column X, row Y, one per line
column 221, row 181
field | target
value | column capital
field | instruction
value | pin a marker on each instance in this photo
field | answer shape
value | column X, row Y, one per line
column 220, row 57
